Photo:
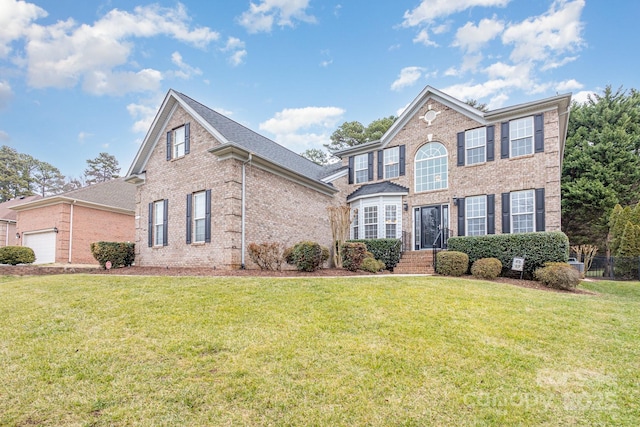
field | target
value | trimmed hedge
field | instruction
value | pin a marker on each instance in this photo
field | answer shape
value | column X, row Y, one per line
column 558, row 275
column 372, row 265
column 486, row 268
column 307, row 256
column 386, row 250
column 452, row 263
column 121, row 254
column 14, row 255
column 536, row 248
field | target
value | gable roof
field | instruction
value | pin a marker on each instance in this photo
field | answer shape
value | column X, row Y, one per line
column 114, row 195
column 233, row 137
column 385, row 187
column 8, row 214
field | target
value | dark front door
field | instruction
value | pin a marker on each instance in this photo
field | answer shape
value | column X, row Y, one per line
column 430, row 221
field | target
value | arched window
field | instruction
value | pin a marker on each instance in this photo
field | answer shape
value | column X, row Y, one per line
column 432, row 170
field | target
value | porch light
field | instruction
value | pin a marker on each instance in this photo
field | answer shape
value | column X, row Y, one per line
column 17, row 235
column 55, row 229
column 405, row 206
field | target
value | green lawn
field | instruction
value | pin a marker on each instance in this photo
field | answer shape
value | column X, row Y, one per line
column 93, row 350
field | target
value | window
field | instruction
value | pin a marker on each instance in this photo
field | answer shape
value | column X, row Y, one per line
column 476, row 215
column 371, row 222
column 522, row 212
column 179, row 142
column 475, row 142
column 362, row 168
column 199, row 215
column 158, row 223
column 392, row 162
column 431, row 167
column 521, row 137
column 390, row 221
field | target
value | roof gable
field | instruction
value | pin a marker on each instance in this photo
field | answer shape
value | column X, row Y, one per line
column 8, row 214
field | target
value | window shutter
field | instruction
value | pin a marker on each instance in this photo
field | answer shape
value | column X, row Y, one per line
column 403, row 161
column 491, row 214
column 504, row 140
column 491, row 136
column 380, row 164
column 189, row 217
column 165, row 224
column 540, row 225
column 350, row 169
column 150, row 226
column 370, row 178
column 461, row 217
column 461, row 149
column 538, row 126
column 169, row 148
column 506, row 213
column 207, row 220
column 187, row 134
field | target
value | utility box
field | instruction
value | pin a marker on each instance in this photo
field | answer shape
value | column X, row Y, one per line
column 577, row 265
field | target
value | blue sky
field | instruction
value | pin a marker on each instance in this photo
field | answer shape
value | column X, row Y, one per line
column 80, row 78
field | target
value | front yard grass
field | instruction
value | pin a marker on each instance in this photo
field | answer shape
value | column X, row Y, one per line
column 382, row 351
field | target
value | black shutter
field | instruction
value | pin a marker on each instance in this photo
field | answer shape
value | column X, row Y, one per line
column 461, row 217
column 504, row 140
column 187, row 135
column 538, row 126
column 491, row 136
column 189, row 217
column 380, row 164
column 150, row 226
column 540, row 225
column 461, row 149
column 370, row 178
column 506, row 213
column 169, row 151
column 350, row 169
column 165, row 224
column 207, row 218
column 491, row 213
column 403, row 160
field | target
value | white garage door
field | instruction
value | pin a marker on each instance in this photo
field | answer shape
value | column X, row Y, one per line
column 44, row 246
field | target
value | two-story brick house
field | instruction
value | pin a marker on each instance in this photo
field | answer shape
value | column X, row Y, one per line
column 208, row 186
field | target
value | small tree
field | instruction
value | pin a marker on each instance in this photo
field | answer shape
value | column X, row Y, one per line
column 340, row 220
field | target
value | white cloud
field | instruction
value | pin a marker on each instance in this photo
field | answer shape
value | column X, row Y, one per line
column 569, row 85
column 143, row 113
column 82, row 136
column 472, row 37
column 583, row 96
column 423, row 37
column 185, row 70
column 15, row 19
column 5, row 94
column 408, row 77
column 302, row 128
column 262, row 16
column 429, row 10
column 498, row 101
column 4, row 136
column 238, row 52
column 65, row 53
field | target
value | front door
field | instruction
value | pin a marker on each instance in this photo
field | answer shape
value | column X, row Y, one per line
column 431, row 226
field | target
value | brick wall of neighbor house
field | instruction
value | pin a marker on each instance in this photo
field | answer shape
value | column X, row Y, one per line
column 46, row 218
column 540, row 170
column 8, row 234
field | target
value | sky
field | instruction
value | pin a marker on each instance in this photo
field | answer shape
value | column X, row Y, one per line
column 81, row 78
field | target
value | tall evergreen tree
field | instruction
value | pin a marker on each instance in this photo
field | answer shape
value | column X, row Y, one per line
column 13, row 181
column 354, row 133
column 101, row 169
column 47, row 179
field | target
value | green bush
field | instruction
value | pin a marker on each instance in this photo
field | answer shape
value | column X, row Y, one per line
column 486, row 268
column 372, row 265
column 121, row 254
column 14, row 255
column 558, row 276
column 386, row 250
column 536, row 248
column 353, row 253
column 306, row 256
column 452, row 263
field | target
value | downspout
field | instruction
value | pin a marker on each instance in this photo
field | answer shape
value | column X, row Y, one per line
column 6, row 239
column 71, row 230
column 244, row 192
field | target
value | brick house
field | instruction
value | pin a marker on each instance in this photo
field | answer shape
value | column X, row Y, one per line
column 208, row 186
column 61, row 228
column 8, row 218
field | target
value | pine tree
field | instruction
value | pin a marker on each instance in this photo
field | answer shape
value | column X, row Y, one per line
column 103, row 168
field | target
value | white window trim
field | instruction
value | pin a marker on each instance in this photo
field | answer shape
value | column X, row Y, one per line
column 386, row 153
column 365, row 168
column 197, row 218
column 158, row 215
column 177, row 144
column 532, row 136
column 415, row 167
column 468, row 217
column 533, row 211
column 380, row 201
column 467, row 149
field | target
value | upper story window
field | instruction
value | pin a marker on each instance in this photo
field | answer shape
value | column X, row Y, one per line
column 178, row 142
column 475, row 142
column 476, row 215
column 431, row 167
column 362, row 168
column 522, row 211
column 391, row 162
column 521, row 137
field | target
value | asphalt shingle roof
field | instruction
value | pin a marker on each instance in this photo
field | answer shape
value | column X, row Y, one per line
column 377, row 188
column 115, row 193
column 8, row 214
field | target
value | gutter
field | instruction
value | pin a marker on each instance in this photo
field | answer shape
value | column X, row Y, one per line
column 73, row 202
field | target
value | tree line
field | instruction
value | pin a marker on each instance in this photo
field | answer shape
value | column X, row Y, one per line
column 24, row 175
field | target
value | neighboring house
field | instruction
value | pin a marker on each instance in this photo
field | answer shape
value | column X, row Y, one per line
column 8, row 217
column 61, row 228
column 208, row 186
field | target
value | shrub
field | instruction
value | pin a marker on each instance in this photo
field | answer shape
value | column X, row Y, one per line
column 486, row 268
column 385, row 250
column 306, row 256
column 121, row 254
column 14, row 255
column 353, row 253
column 267, row 255
column 452, row 263
column 558, row 276
column 371, row 265
column 536, row 248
